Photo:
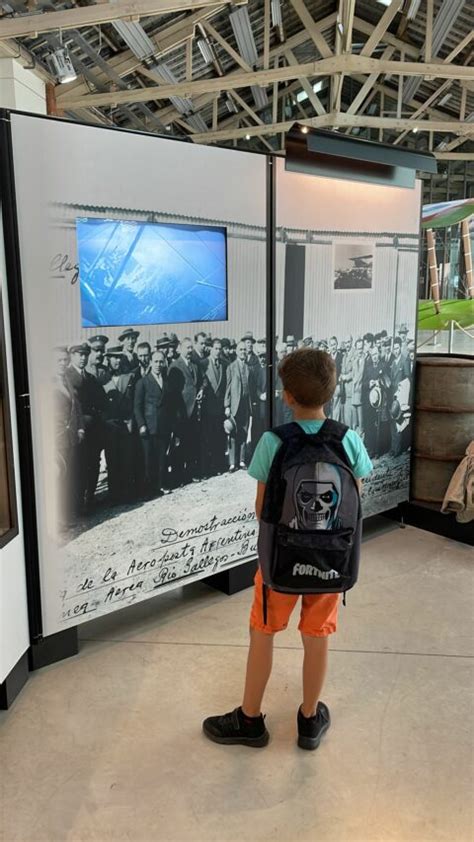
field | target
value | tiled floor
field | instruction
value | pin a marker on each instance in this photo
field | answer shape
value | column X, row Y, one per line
column 107, row 746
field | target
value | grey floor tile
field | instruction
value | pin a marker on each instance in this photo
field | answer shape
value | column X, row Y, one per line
column 108, row 747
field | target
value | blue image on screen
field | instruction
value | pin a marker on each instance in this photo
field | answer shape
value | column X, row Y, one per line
column 150, row 273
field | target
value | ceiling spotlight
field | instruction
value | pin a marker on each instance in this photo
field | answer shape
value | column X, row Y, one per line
column 247, row 137
column 304, row 129
column 168, row 128
column 415, row 130
column 340, row 28
column 61, row 66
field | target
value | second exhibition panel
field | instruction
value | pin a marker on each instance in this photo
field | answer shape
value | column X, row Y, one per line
column 346, row 282
column 129, row 245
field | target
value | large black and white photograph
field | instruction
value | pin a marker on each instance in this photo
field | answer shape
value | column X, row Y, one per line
column 156, row 425
column 353, row 266
column 369, row 333
column 142, row 419
column 148, row 388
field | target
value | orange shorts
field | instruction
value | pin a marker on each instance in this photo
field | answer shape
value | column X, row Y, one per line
column 318, row 616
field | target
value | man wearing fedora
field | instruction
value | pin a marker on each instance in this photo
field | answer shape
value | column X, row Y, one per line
column 91, row 398
column 118, row 428
column 95, row 364
column 129, row 359
column 173, row 352
column 249, row 342
column 403, row 335
column 162, row 344
column 153, row 419
column 238, row 407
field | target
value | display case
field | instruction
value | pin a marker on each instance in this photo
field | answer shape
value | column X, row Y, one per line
column 8, row 512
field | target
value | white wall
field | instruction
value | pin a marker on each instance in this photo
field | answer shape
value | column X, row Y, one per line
column 14, row 636
column 21, row 89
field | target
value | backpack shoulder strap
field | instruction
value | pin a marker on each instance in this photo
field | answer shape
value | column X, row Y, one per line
column 288, row 431
column 333, row 430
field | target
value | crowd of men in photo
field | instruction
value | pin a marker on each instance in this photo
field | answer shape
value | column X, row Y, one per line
column 184, row 410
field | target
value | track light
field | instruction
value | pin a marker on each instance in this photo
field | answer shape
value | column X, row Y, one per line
column 277, row 20
column 260, row 96
column 231, row 106
column 247, row 137
column 445, row 99
column 243, row 34
column 413, row 10
column 135, row 37
column 197, row 122
column 61, row 66
column 184, row 106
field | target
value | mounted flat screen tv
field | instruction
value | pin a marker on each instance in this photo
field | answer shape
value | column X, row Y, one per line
column 150, row 273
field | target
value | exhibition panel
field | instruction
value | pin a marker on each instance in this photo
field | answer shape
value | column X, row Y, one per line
column 14, row 636
column 129, row 244
column 346, row 275
column 7, row 488
column 157, row 280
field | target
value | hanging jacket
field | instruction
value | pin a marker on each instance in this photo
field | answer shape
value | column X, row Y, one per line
column 459, row 497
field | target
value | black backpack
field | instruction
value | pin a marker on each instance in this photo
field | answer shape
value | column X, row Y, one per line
column 311, row 521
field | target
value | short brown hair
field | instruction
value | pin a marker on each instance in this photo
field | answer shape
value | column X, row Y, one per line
column 309, row 376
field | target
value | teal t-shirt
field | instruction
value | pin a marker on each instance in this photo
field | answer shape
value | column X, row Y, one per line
column 269, row 444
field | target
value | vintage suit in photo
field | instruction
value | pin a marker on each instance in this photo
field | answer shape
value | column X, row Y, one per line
column 399, row 371
column 215, row 384
column 68, row 422
column 152, row 411
column 237, row 399
column 258, row 391
column 358, row 366
column 91, row 399
column 185, row 381
column 118, row 436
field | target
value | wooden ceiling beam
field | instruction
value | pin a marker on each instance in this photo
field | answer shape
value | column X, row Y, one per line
column 30, row 26
column 326, row 67
column 312, row 28
column 381, row 27
column 126, row 62
column 342, row 120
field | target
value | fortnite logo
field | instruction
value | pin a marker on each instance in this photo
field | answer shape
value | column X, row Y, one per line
column 309, row 570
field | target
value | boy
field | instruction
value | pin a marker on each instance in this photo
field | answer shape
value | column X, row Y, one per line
column 309, row 379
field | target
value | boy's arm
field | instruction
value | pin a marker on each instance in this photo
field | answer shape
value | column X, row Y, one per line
column 259, row 501
column 359, row 485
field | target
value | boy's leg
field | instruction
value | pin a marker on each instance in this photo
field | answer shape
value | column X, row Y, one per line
column 314, row 671
column 259, row 667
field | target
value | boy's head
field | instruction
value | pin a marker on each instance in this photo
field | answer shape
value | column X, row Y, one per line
column 308, row 377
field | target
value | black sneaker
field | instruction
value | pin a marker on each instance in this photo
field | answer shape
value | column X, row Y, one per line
column 236, row 728
column 312, row 728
